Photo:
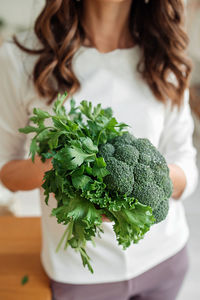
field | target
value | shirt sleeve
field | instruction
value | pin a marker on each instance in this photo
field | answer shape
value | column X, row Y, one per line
column 13, row 113
column 176, row 143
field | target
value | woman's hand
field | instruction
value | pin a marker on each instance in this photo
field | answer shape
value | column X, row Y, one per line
column 24, row 175
column 178, row 179
column 42, row 167
column 105, row 219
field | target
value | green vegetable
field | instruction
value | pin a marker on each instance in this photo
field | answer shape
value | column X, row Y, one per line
column 24, row 280
column 94, row 173
column 138, row 169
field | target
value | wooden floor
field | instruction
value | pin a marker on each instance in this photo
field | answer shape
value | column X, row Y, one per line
column 20, row 243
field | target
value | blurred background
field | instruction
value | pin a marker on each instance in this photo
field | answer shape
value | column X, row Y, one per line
column 19, row 15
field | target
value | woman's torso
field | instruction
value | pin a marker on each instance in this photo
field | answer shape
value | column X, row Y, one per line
column 112, row 80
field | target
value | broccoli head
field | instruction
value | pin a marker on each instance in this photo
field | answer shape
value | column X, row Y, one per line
column 138, row 169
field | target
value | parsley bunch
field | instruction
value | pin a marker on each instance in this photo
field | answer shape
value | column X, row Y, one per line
column 77, row 176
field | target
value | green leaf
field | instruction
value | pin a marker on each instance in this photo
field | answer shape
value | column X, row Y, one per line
column 99, row 170
column 112, row 123
column 84, row 211
column 38, row 121
column 80, row 182
column 72, row 157
column 88, row 145
column 88, row 170
column 47, row 155
column 78, row 172
column 100, row 162
column 86, row 260
column 107, row 112
column 72, row 125
column 49, row 184
column 24, row 280
column 59, row 124
column 94, row 129
column 73, row 108
column 103, row 137
column 28, row 129
column 58, row 107
column 131, row 224
column 97, row 111
column 86, row 109
column 83, row 219
column 41, row 113
column 43, row 135
column 59, row 182
column 39, row 117
column 33, row 148
column 53, row 141
column 122, row 126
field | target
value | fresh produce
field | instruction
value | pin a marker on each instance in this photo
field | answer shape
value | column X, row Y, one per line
column 138, row 169
column 98, row 169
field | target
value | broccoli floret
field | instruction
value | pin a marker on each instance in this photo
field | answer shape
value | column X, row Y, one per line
column 138, row 169
column 161, row 211
column 145, row 158
column 148, row 193
column 125, row 139
column 164, row 182
column 127, row 153
column 143, row 145
column 106, row 150
column 121, row 176
column 143, row 173
column 157, row 161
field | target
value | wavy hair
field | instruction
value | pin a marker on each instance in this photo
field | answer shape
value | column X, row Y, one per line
column 157, row 28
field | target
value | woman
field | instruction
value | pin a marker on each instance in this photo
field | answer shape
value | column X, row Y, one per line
column 128, row 55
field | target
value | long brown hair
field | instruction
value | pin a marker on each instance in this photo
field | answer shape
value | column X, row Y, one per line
column 157, row 27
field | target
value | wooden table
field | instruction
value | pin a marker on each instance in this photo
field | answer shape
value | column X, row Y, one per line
column 20, row 243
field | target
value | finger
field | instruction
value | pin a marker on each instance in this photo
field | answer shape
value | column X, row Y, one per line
column 105, row 219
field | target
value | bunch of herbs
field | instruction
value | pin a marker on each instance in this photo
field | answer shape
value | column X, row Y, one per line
column 77, row 176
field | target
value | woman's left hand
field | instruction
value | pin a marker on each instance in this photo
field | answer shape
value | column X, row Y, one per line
column 178, row 179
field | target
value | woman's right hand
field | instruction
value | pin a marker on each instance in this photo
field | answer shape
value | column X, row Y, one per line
column 42, row 167
column 24, row 175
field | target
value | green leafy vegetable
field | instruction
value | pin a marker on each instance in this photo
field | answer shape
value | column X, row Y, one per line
column 89, row 150
column 24, row 280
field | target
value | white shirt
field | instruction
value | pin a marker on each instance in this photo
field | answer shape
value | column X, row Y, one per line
column 111, row 79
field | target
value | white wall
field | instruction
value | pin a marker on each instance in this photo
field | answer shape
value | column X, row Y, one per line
column 20, row 12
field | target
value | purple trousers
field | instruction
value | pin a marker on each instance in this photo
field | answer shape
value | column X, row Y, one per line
column 162, row 282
